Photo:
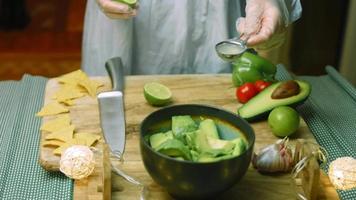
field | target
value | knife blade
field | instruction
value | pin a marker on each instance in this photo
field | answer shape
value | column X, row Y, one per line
column 111, row 108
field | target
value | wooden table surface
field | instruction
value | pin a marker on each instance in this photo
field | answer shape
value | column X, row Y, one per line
column 216, row 90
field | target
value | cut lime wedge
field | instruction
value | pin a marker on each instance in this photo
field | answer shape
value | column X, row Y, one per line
column 157, row 94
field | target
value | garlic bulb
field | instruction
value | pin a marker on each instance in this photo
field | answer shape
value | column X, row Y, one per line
column 276, row 157
column 342, row 173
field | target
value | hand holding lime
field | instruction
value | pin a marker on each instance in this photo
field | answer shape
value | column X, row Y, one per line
column 157, row 94
column 283, row 121
column 131, row 3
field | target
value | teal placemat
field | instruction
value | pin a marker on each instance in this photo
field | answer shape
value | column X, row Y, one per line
column 21, row 176
column 330, row 112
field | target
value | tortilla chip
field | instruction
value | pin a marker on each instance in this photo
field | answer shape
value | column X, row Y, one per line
column 98, row 83
column 58, row 151
column 78, row 79
column 57, row 124
column 68, row 93
column 52, row 109
column 67, row 102
column 79, row 141
column 65, row 134
column 61, row 149
column 52, row 143
column 76, row 87
column 89, row 138
column 90, row 86
column 72, row 78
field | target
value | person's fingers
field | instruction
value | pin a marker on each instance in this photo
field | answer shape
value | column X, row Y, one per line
column 254, row 13
column 115, row 7
column 265, row 33
column 240, row 26
column 259, row 38
column 275, row 41
column 118, row 16
column 269, row 23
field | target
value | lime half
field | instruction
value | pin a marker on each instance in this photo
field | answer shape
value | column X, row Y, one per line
column 131, row 3
column 157, row 94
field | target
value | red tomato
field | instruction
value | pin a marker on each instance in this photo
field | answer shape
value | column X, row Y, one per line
column 245, row 92
column 261, row 85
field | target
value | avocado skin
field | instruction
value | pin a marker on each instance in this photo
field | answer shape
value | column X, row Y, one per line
column 261, row 110
column 264, row 115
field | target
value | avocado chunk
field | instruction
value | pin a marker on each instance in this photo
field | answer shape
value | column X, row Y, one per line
column 207, row 158
column 190, row 139
column 209, row 128
column 195, row 155
column 174, row 148
column 239, row 147
column 194, row 141
column 212, row 146
column 181, row 125
column 157, row 139
column 261, row 104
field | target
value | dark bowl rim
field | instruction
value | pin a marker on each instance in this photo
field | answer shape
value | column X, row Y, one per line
column 250, row 145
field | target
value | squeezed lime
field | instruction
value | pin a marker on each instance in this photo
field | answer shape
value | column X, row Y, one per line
column 157, row 94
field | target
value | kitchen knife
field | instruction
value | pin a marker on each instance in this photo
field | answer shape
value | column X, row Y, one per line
column 111, row 107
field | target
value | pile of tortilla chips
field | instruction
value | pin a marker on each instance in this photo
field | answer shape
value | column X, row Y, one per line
column 62, row 133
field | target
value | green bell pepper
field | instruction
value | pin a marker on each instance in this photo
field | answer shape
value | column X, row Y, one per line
column 250, row 68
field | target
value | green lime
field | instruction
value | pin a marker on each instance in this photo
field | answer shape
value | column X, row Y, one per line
column 283, row 121
column 131, row 3
column 157, row 94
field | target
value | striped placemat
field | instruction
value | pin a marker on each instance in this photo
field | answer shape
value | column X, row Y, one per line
column 21, row 176
column 330, row 112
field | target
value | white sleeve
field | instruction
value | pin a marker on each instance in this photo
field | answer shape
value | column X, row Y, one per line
column 294, row 9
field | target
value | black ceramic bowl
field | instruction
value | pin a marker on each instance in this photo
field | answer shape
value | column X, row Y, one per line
column 193, row 180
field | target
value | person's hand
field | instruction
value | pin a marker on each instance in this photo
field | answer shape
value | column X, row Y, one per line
column 265, row 23
column 116, row 10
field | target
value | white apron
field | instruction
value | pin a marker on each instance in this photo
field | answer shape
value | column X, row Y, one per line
column 166, row 37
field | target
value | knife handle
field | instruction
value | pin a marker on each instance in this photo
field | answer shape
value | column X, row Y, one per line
column 116, row 72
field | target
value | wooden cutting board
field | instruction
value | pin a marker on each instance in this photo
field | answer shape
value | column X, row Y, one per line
column 216, row 90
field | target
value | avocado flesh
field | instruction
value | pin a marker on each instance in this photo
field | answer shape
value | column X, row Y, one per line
column 157, row 139
column 209, row 128
column 193, row 144
column 190, row 139
column 174, row 148
column 212, row 146
column 181, row 125
column 263, row 103
column 239, row 146
column 207, row 158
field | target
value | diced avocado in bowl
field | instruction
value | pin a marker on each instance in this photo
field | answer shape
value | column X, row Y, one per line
column 196, row 140
column 188, row 148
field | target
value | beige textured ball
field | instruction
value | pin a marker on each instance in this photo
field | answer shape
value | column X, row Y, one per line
column 342, row 173
column 77, row 162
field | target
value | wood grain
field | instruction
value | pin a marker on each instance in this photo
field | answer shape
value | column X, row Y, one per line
column 98, row 185
column 215, row 90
